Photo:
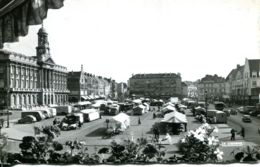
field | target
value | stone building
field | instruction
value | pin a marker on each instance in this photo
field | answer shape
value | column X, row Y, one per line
column 235, row 84
column 122, row 91
column 252, row 81
column 212, row 86
column 86, row 86
column 184, row 87
column 162, row 85
column 31, row 81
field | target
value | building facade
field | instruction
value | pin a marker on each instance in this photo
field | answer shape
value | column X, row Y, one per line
column 32, row 81
column 212, row 87
column 86, row 86
column 235, row 85
column 251, row 81
column 184, row 87
column 163, row 85
column 122, row 91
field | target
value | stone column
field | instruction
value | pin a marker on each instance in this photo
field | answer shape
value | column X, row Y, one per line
column 46, row 79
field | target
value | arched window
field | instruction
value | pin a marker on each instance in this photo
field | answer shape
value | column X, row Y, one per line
column 45, row 99
column 20, row 100
column 14, row 100
column 29, row 99
column 24, row 100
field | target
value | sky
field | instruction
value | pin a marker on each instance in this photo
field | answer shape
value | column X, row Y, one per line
column 118, row 38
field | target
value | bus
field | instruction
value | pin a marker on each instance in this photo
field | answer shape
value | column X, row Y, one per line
column 82, row 105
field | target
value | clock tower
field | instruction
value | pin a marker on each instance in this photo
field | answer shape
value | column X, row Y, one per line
column 43, row 49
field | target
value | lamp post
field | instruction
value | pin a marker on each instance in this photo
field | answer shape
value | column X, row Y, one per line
column 206, row 103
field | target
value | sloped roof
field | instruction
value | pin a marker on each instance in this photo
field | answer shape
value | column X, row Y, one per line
column 213, row 78
column 74, row 74
column 234, row 72
column 254, row 65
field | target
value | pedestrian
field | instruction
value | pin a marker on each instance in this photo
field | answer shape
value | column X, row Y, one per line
column 154, row 115
column 233, row 134
column 242, row 132
column 80, row 124
column 157, row 134
column 54, row 121
column 139, row 121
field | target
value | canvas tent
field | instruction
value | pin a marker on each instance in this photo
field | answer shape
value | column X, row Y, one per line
column 174, row 117
column 168, row 108
column 137, row 101
column 120, row 122
column 139, row 110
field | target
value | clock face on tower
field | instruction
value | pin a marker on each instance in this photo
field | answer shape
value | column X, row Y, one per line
column 41, row 51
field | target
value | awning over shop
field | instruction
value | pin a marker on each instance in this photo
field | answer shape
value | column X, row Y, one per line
column 84, row 97
column 17, row 15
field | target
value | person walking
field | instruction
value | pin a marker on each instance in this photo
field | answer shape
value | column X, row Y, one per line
column 154, row 115
column 233, row 134
column 139, row 121
column 55, row 121
column 242, row 132
column 156, row 134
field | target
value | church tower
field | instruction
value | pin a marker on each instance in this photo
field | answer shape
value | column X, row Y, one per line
column 43, row 49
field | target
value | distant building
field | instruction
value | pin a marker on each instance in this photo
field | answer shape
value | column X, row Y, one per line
column 86, row 86
column 235, row 85
column 192, row 90
column 212, row 86
column 184, row 87
column 164, row 85
column 122, row 91
column 251, row 75
column 32, row 81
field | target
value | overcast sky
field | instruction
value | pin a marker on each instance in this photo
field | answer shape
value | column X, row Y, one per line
column 118, row 38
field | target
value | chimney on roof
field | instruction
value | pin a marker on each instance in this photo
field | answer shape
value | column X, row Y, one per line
column 81, row 67
column 238, row 65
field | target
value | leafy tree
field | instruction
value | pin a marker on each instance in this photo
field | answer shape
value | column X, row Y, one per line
column 199, row 146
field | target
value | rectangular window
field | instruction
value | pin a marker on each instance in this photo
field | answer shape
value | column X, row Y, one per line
column 2, row 84
column 12, row 69
column 1, row 69
column 254, row 74
column 253, row 83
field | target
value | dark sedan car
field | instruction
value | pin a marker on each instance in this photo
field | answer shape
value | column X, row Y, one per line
column 246, row 118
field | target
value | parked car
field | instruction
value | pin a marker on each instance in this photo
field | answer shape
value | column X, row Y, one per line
column 246, row 118
column 27, row 119
column 227, row 111
column 233, row 111
column 70, row 122
column 247, row 109
column 219, row 105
